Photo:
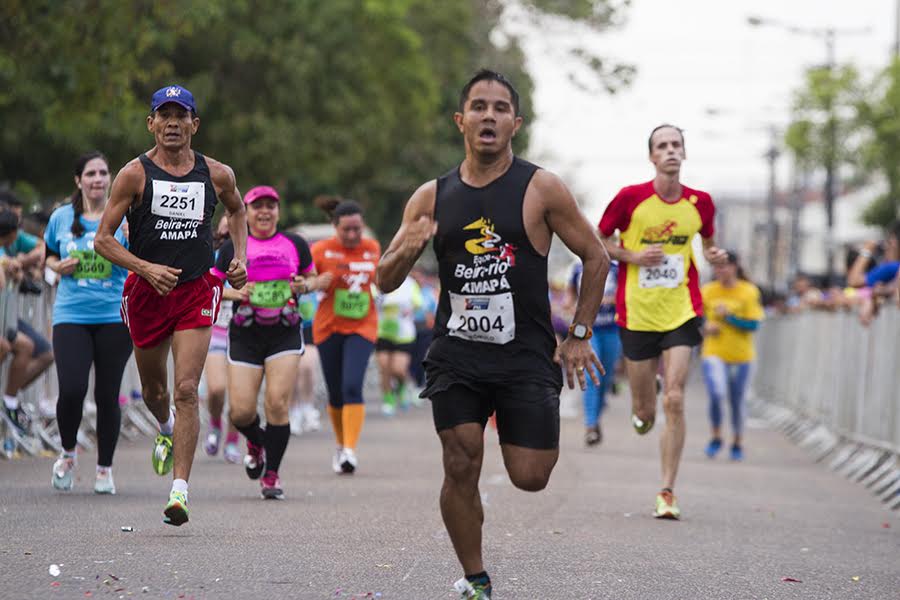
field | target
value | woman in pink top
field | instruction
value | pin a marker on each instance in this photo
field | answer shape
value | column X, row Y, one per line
column 264, row 338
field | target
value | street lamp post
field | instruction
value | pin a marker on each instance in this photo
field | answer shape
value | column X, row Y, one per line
column 772, row 233
column 828, row 34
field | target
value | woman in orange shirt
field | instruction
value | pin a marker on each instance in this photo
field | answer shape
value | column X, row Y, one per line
column 346, row 323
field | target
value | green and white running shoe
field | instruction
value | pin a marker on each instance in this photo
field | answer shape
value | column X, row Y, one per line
column 640, row 426
column 162, row 454
column 176, row 512
column 63, row 477
column 104, row 483
column 476, row 591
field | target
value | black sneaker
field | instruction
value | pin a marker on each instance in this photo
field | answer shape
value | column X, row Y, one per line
column 255, row 460
column 29, row 286
column 18, row 420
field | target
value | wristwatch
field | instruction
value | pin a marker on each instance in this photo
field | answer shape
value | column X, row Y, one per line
column 580, row 332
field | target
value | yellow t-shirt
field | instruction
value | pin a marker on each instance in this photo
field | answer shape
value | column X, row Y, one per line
column 666, row 296
column 732, row 344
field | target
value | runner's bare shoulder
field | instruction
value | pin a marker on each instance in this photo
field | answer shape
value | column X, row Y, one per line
column 421, row 203
column 130, row 181
column 549, row 190
column 221, row 174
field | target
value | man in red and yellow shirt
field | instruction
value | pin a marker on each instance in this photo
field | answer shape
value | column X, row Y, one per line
column 658, row 304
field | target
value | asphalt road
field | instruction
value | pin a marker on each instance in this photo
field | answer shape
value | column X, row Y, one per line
column 378, row 534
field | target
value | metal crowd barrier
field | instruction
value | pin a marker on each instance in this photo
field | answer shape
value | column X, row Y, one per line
column 832, row 385
column 38, row 400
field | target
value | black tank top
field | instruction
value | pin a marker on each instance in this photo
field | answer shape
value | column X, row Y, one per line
column 171, row 225
column 493, row 317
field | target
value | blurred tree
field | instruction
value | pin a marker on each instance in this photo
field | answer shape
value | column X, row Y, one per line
column 353, row 97
column 878, row 112
column 827, row 99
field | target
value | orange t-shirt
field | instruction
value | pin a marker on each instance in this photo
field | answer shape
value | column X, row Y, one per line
column 347, row 306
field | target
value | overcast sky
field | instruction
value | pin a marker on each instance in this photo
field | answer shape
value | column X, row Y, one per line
column 694, row 58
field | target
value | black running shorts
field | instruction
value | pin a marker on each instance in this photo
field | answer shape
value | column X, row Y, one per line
column 383, row 345
column 527, row 413
column 252, row 346
column 644, row 345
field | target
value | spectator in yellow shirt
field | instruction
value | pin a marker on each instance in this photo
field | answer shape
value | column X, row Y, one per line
column 733, row 311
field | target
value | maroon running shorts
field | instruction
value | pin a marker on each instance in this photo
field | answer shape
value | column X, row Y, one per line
column 152, row 318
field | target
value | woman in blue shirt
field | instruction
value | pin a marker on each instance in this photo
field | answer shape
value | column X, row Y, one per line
column 87, row 325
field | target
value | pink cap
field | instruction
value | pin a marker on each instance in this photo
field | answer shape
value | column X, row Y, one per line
column 261, row 191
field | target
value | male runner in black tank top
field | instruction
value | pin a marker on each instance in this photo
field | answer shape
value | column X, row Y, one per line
column 171, row 299
column 492, row 220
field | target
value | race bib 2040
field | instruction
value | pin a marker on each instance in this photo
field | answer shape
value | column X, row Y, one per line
column 179, row 200
column 668, row 274
column 489, row 319
column 90, row 265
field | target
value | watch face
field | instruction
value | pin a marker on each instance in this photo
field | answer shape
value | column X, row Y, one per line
column 580, row 331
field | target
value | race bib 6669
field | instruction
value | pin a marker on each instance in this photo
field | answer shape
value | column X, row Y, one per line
column 179, row 200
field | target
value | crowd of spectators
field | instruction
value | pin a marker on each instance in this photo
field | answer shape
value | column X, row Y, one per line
column 871, row 282
column 21, row 270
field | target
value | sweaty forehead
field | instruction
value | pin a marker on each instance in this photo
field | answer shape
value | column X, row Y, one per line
column 666, row 134
column 490, row 91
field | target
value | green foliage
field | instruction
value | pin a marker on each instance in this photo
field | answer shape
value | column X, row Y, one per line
column 882, row 212
column 879, row 112
column 826, row 100
column 348, row 97
column 866, row 117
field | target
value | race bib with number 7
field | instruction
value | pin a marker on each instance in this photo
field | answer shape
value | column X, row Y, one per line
column 488, row 319
column 668, row 274
column 179, row 200
column 351, row 305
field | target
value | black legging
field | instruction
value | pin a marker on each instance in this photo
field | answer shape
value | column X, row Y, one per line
column 76, row 347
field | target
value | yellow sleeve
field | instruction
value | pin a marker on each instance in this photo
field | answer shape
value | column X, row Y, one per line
column 752, row 308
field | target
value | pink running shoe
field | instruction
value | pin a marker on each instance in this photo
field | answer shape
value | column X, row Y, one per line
column 271, row 486
column 255, row 460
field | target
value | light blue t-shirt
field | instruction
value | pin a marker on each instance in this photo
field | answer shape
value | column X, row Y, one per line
column 93, row 293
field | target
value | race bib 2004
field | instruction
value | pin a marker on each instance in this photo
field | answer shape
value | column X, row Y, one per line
column 490, row 319
column 668, row 274
column 179, row 200
column 351, row 305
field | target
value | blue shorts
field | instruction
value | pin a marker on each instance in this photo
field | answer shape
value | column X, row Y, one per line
column 41, row 345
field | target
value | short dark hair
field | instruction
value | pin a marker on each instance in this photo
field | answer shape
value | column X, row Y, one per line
column 9, row 222
column 336, row 207
column 488, row 75
column 664, row 126
column 9, row 198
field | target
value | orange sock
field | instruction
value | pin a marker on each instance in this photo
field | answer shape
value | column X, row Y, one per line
column 337, row 423
column 354, row 415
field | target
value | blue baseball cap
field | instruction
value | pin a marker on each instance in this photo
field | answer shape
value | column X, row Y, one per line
column 173, row 93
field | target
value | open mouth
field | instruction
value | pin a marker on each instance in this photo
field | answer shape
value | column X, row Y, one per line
column 487, row 135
